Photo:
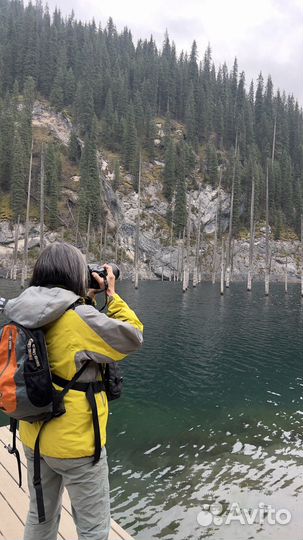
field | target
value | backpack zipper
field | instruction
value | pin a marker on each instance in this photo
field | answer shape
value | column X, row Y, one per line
column 10, row 346
column 32, row 352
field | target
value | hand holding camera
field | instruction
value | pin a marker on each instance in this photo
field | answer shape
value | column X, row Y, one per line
column 102, row 278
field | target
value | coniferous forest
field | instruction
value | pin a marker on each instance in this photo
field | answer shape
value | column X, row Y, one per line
column 114, row 90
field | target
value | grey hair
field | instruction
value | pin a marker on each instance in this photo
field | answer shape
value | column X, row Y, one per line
column 62, row 265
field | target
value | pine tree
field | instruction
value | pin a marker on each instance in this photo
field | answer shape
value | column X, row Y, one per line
column 85, row 106
column 57, row 93
column 169, row 175
column 26, row 116
column 212, row 165
column 190, row 117
column 151, row 133
column 6, row 144
column 18, row 177
column 90, row 195
column 130, row 149
column 52, row 182
column 117, row 180
column 108, row 119
column 180, row 215
column 69, row 87
column 74, row 148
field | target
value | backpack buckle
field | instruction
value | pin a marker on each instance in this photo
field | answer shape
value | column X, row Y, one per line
column 10, row 449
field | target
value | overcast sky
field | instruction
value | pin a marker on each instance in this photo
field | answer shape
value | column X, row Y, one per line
column 265, row 35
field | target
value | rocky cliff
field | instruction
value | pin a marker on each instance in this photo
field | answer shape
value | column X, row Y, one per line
column 157, row 256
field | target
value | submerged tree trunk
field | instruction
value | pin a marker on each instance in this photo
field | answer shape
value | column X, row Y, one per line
column 216, row 230
column 267, row 238
column 228, row 255
column 42, row 200
column 88, row 237
column 25, row 265
column 302, row 255
column 222, row 268
column 186, row 268
column 101, row 244
column 171, row 241
column 15, row 254
column 286, row 275
column 198, row 242
column 268, row 256
column 136, row 265
column 252, row 235
column 116, row 246
column 184, row 264
column 105, row 240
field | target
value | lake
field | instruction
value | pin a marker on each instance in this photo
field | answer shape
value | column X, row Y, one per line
column 207, row 439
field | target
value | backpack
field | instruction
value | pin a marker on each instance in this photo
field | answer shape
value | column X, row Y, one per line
column 27, row 392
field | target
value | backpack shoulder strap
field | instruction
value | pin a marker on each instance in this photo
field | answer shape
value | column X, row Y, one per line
column 12, row 449
column 37, row 468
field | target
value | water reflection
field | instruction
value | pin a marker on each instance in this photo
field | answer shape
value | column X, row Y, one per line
column 212, row 412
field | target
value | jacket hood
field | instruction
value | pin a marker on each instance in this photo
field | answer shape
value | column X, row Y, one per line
column 38, row 306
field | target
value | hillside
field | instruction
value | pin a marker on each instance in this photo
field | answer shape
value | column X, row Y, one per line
column 95, row 102
column 157, row 255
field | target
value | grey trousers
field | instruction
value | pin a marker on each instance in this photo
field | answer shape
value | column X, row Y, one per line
column 88, row 489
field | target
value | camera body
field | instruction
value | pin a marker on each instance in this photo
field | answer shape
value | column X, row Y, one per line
column 102, row 272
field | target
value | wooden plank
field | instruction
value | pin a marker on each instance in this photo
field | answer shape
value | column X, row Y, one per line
column 11, row 526
column 67, row 527
column 117, row 533
column 18, row 497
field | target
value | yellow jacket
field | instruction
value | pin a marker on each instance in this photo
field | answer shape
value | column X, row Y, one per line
column 78, row 335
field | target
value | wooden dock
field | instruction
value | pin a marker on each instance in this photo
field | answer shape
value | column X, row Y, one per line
column 14, row 500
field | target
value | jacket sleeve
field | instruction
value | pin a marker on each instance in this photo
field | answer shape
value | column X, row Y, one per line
column 120, row 328
column 3, row 303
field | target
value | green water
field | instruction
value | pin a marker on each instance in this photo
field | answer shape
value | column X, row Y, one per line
column 212, row 412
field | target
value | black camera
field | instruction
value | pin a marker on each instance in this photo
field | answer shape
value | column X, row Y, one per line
column 102, row 272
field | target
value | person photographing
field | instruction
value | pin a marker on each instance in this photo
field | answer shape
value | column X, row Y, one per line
column 79, row 339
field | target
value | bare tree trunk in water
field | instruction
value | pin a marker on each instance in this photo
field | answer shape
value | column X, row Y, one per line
column 268, row 262
column 101, row 244
column 216, row 229
column 222, row 268
column 136, row 269
column 302, row 255
column 42, row 200
column 171, row 240
column 267, row 238
column 188, row 243
column 198, row 241
column 228, row 255
column 88, row 238
column 24, row 269
column 117, row 246
column 105, row 240
column 15, row 254
column 252, row 235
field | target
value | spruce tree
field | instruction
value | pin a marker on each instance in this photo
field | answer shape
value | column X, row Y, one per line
column 90, row 195
column 130, row 150
column 69, row 87
column 180, row 215
column 52, row 182
column 6, row 144
column 169, row 173
column 18, row 177
column 57, row 93
column 74, row 148
column 212, row 165
column 117, row 180
column 108, row 120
